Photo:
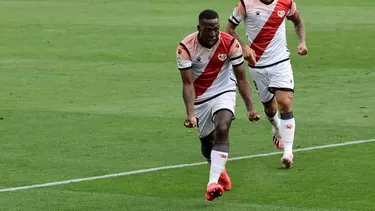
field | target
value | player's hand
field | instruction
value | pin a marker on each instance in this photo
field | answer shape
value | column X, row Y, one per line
column 190, row 122
column 253, row 115
column 302, row 49
column 249, row 54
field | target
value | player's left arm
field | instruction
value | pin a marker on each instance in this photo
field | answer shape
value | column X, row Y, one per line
column 237, row 60
column 243, row 85
column 299, row 27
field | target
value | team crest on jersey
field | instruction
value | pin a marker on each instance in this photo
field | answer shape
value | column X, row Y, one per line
column 222, row 57
column 281, row 13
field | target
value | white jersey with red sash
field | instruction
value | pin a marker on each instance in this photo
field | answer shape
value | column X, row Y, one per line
column 212, row 68
column 265, row 28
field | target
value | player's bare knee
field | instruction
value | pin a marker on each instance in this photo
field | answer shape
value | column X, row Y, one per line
column 221, row 142
column 284, row 101
column 223, row 121
column 285, row 106
column 221, row 130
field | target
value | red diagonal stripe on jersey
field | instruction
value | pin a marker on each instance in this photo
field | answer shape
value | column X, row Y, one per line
column 267, row 33
column 212, row 70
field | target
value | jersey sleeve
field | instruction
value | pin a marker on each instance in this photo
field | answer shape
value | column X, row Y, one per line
column 183, row 57
column 293, row 13
column 238, row 14
column 235, row 54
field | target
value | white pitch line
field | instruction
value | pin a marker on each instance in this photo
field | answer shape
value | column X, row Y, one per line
column 175, row 167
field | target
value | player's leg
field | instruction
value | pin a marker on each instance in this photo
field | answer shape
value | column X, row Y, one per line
column 223, row 108
column 284, row 99
column 261, row 83
column 271, row 111
column 206, row 147
column 207, row 143
column 282, row 84
column 206, row 127
column 219, row 153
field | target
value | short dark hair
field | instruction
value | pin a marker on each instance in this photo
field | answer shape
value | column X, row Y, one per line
column 208, row 14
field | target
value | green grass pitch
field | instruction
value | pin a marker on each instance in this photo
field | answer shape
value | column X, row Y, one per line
column 91, row 87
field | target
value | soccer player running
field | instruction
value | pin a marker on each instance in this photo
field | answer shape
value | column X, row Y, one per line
column 268, row 58
column 206, row 59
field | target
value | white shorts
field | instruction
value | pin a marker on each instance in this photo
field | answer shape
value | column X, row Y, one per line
column 267, row 80
column 205, row 112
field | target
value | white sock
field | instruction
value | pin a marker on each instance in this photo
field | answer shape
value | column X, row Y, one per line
column 218, row 161
column 274, row 121
column 287, row 133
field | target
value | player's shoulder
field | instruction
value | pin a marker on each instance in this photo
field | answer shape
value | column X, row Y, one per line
column 190, row 39
column 227, row 39
column 188, row 42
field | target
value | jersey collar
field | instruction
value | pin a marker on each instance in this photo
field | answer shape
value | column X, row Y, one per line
column 267, row 3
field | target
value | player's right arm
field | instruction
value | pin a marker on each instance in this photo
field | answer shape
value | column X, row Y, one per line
column 184, row 64
column 238, row 14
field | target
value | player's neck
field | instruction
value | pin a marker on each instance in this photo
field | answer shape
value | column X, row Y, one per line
column 206, row 46
column 267, row 1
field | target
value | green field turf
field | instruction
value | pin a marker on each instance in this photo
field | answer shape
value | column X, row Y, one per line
column 91, row 88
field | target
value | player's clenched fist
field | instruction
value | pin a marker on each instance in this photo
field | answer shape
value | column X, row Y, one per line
column 302, row 49
column 253, row 115
column 190, row 122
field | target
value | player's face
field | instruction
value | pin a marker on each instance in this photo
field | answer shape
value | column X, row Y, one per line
column 209, row 30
